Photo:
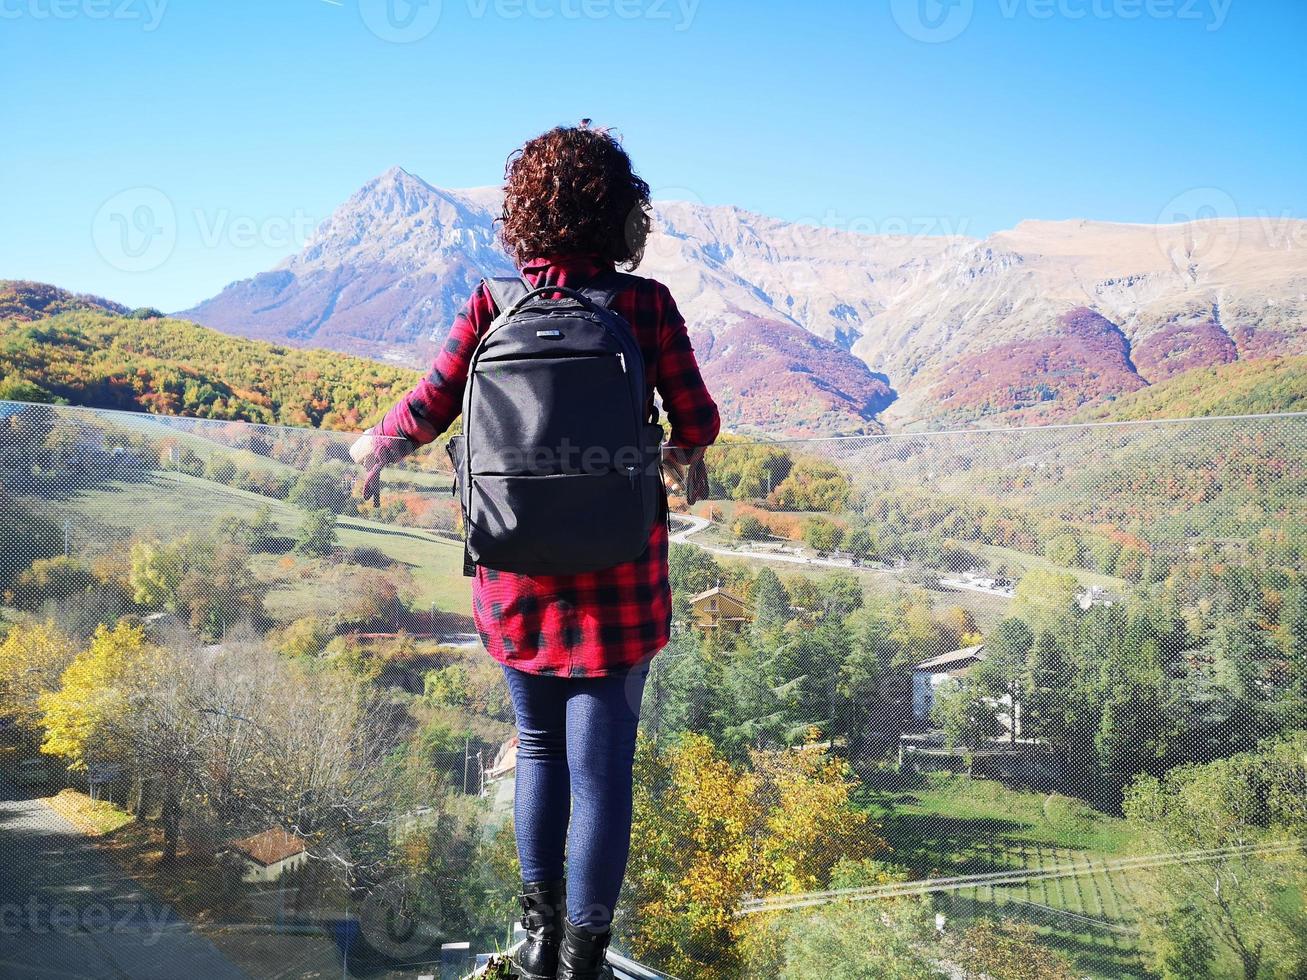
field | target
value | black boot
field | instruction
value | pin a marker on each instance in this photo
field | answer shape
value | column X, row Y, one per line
column 544, row 906
column 584, row 954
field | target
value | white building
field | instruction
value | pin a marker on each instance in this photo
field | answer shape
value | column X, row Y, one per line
column 1096, row 596
column 937, row 672
column 267, row 856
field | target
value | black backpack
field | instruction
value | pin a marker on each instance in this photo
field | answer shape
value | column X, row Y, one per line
column 557, row 468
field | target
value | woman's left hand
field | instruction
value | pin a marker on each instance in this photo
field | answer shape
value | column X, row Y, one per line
column 362, row 449
column 685, row 472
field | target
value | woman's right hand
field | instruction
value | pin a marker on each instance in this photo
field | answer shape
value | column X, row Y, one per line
column 364, row 453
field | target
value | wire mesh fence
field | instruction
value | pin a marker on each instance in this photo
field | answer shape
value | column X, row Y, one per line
column 1019, row 703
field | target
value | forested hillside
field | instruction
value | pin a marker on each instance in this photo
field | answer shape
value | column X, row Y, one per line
column 57, row 346
column 24, row 300
column 88, row 356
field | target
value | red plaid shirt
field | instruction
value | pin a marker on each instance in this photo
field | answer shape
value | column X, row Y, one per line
column 594, row 623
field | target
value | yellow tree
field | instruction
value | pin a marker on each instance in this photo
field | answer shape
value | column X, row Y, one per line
column 709, row 834
column 811, row 825
column 692, row 857
column 156, row 573
column 86, row 717
column 32, row 658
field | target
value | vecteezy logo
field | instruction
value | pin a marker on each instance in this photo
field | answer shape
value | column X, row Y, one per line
column 400, row 918
column 932, row 21
column 136, row 229
column 1189, row 234
column 400, row 21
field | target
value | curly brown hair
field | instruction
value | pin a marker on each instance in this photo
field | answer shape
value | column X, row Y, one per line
column 572, row 189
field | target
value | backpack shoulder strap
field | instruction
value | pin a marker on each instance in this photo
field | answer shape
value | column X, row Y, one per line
column 605, row 286
column 506, row 290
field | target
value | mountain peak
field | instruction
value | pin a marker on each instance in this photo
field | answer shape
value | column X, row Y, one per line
column 396, row 183
column 398, row 174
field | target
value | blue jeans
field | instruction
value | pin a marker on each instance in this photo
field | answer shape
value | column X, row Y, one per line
column 576, row 746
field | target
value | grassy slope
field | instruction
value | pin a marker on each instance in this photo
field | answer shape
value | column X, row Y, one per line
column 998, row 555
column 1243, row 388
column 966, row 816
column 954, row 825
column 93, row 817
column 117, row 511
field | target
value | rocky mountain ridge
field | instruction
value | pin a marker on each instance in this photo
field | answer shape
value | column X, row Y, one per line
column 1038, row 320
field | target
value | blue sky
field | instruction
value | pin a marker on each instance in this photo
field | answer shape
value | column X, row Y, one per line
column 240, row 124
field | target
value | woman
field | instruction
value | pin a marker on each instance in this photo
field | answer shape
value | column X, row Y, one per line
column 575, row 649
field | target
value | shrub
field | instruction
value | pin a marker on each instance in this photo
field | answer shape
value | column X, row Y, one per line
column 306, row 637
column 447, row 686
column 749, row 528
column 822, row 534
column 52, row 578
column 317, row 533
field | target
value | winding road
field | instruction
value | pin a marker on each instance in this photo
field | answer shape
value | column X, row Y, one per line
column 696, row 524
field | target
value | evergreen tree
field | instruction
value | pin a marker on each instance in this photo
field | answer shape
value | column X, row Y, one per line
column 771, row 603
column 1005, row 671
column 751, row 710
column 1050, row 690
column 874, row 703
column 841, row 594
column 683, row 686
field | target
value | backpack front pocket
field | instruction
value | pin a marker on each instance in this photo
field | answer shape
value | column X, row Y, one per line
column 546, row 415
column 556, row 524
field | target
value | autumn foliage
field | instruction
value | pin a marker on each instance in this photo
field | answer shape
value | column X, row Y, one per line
column 709, row 833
